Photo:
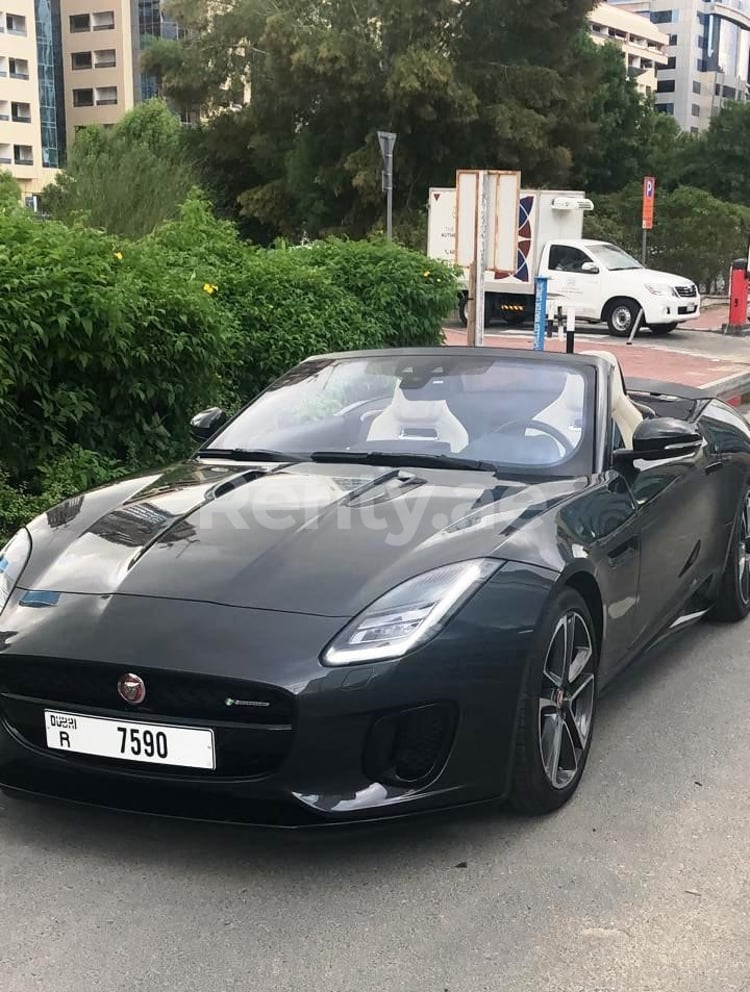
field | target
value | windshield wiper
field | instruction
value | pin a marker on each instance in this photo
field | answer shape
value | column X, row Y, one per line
column 248, row 454
column 403, row 459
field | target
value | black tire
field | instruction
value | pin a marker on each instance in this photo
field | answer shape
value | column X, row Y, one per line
column 661, row 330
column 733, row 601
column 533, row 791
column 621, row 315
column 463, row 310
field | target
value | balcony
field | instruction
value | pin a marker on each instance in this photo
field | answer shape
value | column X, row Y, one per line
column 17, row 119
column 19, row 75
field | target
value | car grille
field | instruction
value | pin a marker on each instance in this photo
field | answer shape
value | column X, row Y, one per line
column 251, row 740
column 688, row 292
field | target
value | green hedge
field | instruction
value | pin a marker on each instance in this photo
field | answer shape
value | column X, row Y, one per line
column 108, row 347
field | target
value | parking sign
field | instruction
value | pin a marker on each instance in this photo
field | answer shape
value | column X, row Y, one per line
column 649, row 191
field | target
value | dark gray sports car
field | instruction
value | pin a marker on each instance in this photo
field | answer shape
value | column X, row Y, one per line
column 396, row 581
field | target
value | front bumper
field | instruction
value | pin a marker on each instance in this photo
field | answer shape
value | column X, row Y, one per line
column 671, row 309
column 328, row 769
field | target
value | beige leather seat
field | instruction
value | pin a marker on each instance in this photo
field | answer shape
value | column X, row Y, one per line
column 625, row 413
column 564, row 412
column 425, row 420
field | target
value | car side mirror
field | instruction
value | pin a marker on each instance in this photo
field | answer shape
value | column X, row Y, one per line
column 590, row 268
column 660, row 438
column 205, row 424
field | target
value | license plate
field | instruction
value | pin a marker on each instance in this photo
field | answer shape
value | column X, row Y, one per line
column 155, row 743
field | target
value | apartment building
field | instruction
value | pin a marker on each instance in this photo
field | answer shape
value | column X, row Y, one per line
column 99, row 60
column 643, row 44
column 29, row 114
column 708, row 55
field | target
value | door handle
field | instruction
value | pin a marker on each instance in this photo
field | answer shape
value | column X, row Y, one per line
column 714, row 467
column 622, row 551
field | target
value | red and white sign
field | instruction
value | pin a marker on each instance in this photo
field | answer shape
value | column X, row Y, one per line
column 649, row 195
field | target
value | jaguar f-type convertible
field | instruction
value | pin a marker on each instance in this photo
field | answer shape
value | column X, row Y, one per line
column 396, row 581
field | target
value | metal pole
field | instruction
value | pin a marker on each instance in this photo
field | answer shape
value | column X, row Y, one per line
column 471, row 313
column 481, row 256
column 389, row 195
column 644, row 243
column 540, row 312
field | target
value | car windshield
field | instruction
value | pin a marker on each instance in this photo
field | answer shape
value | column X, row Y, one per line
column 614, row 258
column 519, row 413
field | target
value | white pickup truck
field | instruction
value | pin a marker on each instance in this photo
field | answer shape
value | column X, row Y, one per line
column 599, row 280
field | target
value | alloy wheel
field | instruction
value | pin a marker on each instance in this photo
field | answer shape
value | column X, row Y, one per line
column 566, row 703
column 743, row 555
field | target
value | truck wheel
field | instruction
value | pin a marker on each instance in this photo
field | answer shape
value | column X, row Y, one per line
column 463, row 309
column 621, row 315
column 661, row 329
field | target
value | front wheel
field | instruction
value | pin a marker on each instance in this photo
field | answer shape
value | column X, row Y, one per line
column 661, row 329
column 621, row 317
column 733, row 602
column 557, row 709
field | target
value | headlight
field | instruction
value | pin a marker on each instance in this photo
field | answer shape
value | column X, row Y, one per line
column 408, row 615
column 661, row 289
column 13, row 560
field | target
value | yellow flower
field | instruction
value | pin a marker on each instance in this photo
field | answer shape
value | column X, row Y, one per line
column 426, row 274
column 209, row 288
column 118, row 255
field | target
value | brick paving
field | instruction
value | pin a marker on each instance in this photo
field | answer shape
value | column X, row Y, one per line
column 639, row 361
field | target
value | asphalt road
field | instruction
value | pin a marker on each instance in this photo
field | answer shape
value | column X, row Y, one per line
column 639, row 885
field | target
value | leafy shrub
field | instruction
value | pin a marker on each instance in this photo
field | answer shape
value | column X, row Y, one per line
column 408, row 295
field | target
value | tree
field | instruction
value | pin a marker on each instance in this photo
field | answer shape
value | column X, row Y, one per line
column 127, row 179
column 464, row 84
column 10, row 192
column 718, row 159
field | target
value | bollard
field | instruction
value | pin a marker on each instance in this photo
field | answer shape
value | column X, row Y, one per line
column 737, row 298
column 540, row 312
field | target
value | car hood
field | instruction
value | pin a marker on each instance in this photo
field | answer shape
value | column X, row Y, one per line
column 301, row 538
column 642, row 276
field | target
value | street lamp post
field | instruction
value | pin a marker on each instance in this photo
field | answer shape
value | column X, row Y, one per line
column 387, row 141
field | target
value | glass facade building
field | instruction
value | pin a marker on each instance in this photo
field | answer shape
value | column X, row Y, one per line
column 49, row 67
column 153, row 24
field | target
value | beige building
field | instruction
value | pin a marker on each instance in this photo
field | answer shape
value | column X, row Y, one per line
column 20, row 132
column 643, row 44
column 97, row 52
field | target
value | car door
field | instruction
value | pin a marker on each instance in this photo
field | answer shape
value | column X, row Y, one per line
column 575, row 279
column 675, row 521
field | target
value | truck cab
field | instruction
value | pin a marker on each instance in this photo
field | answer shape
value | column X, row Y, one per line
column 604, row 283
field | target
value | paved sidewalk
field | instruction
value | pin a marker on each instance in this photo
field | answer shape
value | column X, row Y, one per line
column 692, row 357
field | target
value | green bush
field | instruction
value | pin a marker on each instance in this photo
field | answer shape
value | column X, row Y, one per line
column 108, row 346
column 408, row 295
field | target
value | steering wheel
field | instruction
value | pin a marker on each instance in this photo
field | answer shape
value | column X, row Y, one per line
column 548, row 429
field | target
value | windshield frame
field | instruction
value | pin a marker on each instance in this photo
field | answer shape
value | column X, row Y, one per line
column 587, row 458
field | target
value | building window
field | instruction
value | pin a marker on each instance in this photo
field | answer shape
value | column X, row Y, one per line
column 696, row 87
column 695, row 130
column 701, row 65
column 730, row 93
column 671, row 62
column 695, row 110
column 104, row 20
column 83, row 98
column 79, row 23
column 662, row 16
column 20, row 112
column 665, row 108
column 18, row 68
column 673, row 39
column 81, row 60
column 4, row 110
column 6, row 155
column 106, row 96
column 23, row 155
column 15, row 24
column 105, row 59
column 665, row 86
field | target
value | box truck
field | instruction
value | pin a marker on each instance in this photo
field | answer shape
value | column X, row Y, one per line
column 599, row 280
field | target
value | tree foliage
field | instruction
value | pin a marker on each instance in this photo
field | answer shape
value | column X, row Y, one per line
column 10, row 192
column 462, row 83
column 127, row 179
